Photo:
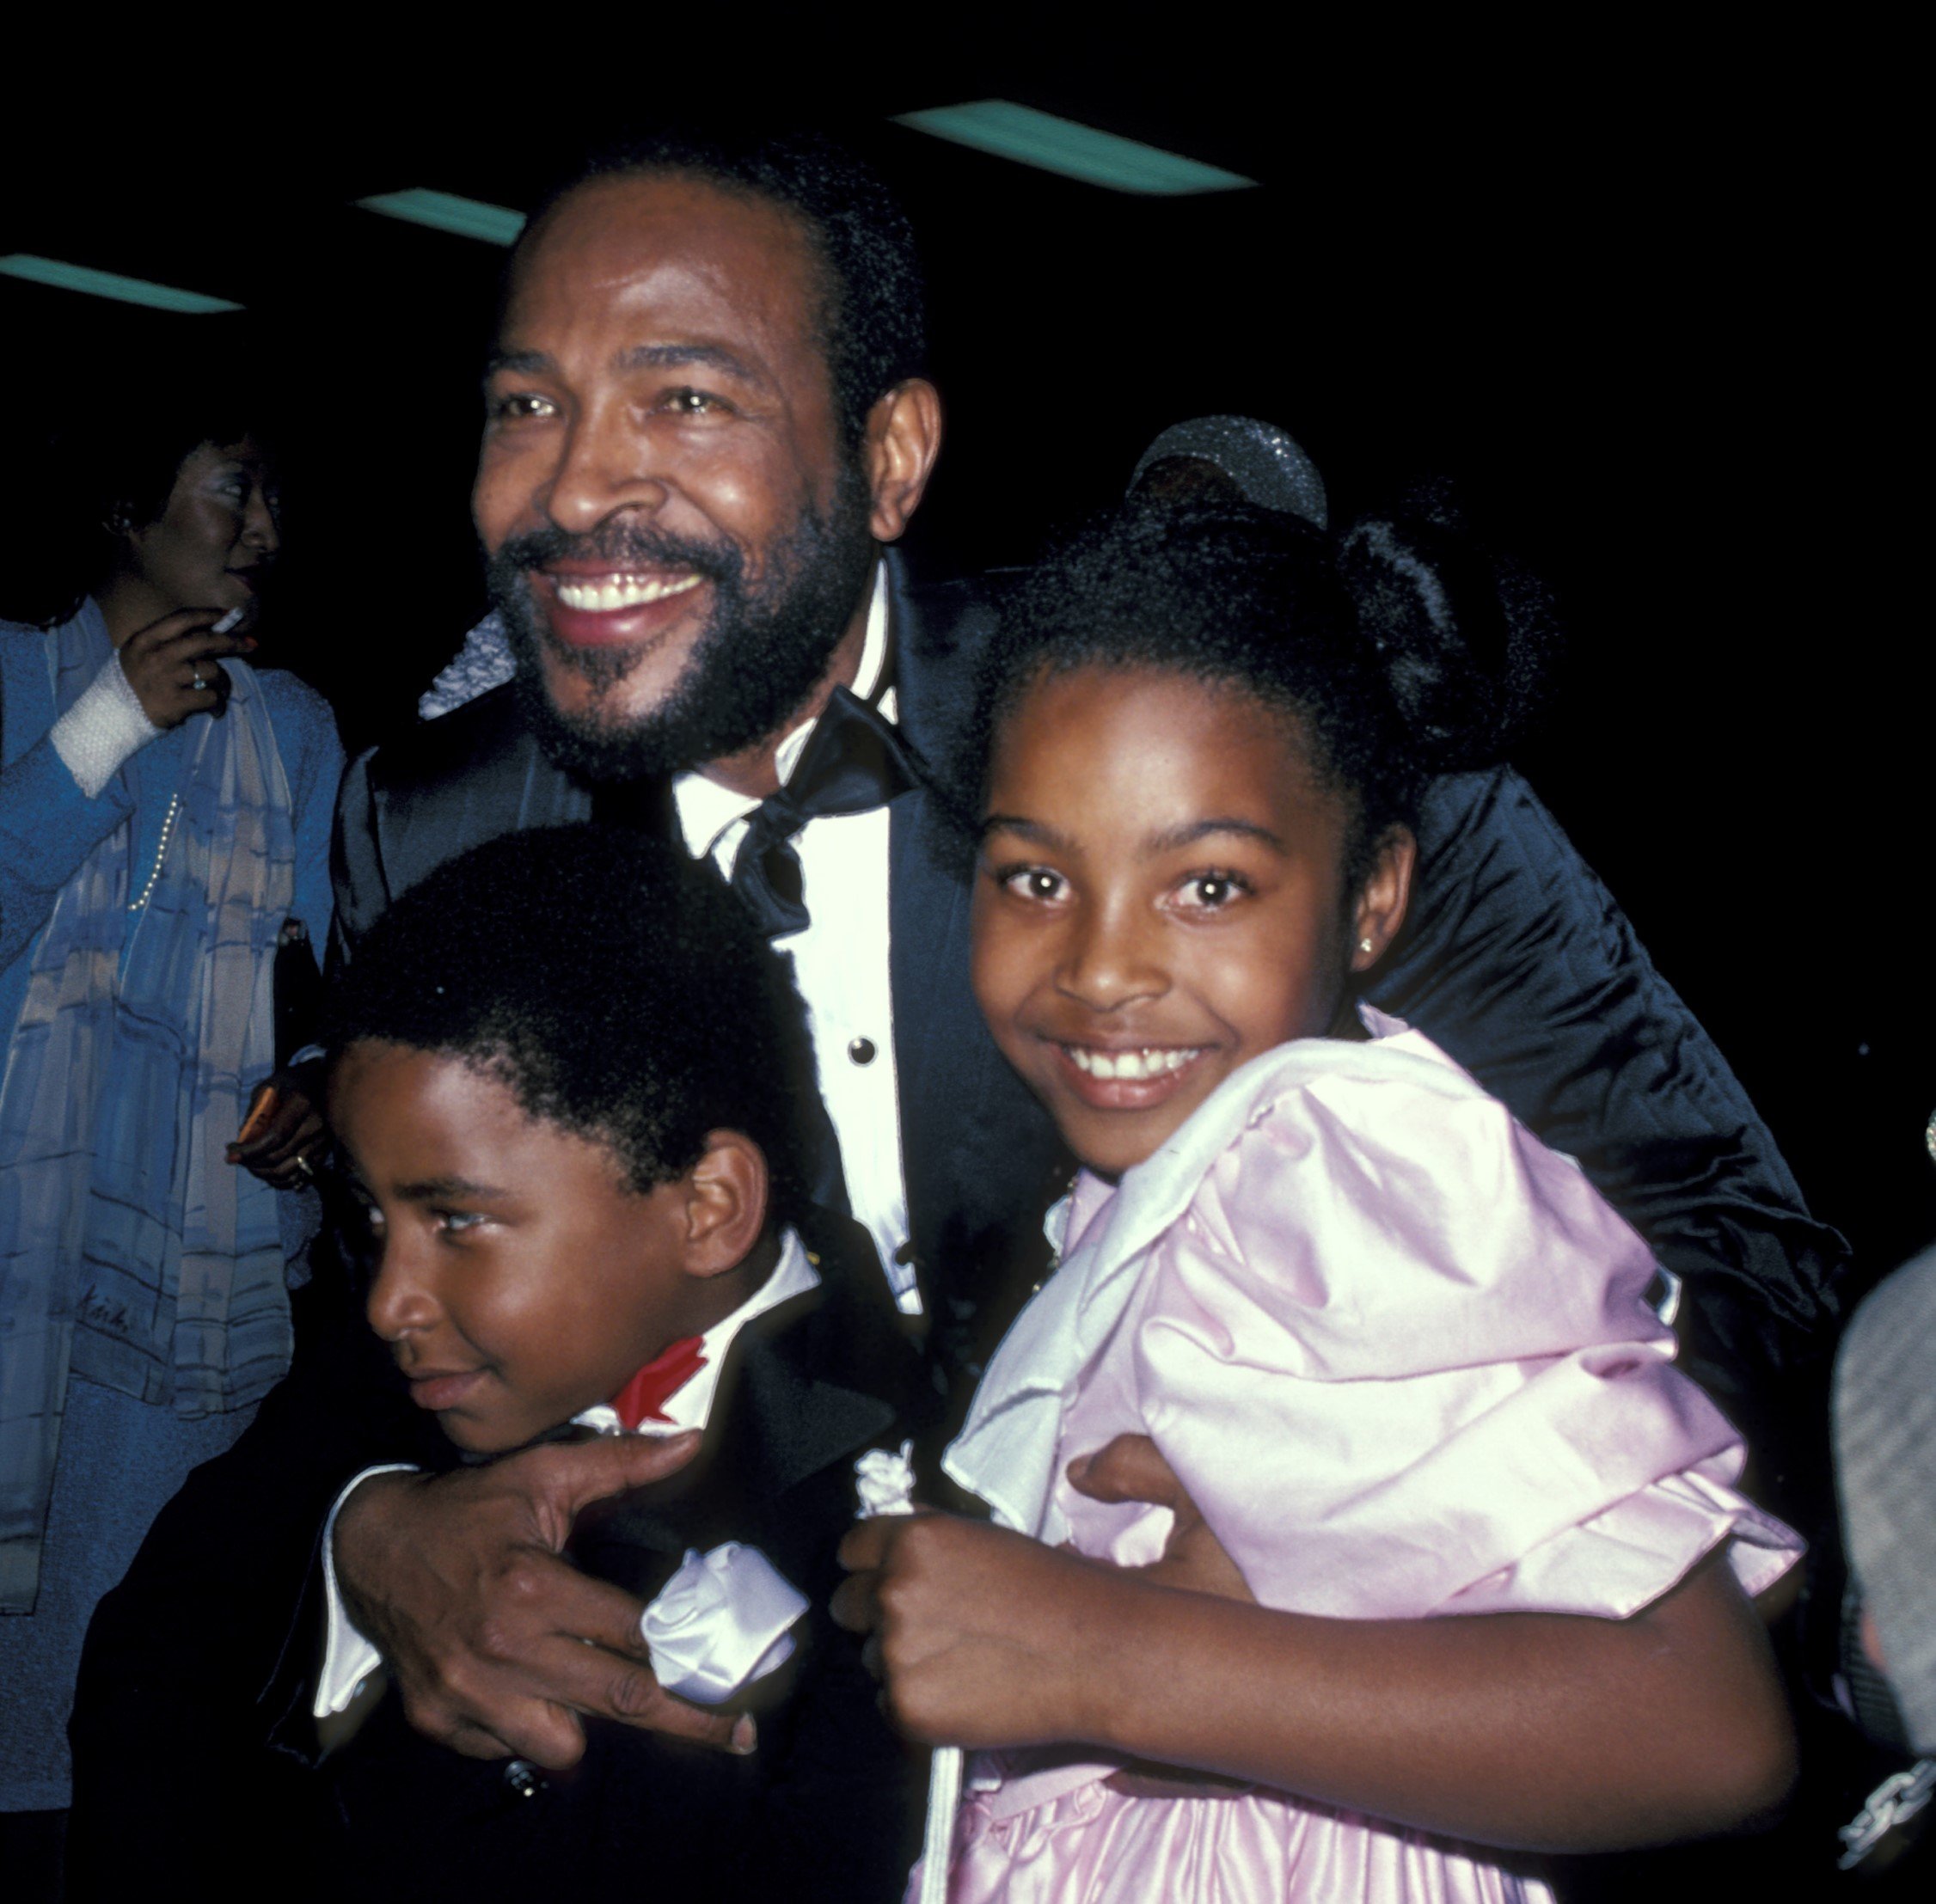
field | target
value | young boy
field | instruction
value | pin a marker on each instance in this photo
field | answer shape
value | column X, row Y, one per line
column 565, row 1081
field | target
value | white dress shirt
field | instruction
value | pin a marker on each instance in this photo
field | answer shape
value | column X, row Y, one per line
column 840, row 965
column 349, row 1658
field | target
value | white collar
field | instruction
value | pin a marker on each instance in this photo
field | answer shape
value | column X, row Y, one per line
column 707, row 810
column 688, row 1406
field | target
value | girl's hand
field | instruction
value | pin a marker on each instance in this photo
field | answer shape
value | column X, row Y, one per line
column 164, row 661
column 1130, row 1468
column 983, row 1637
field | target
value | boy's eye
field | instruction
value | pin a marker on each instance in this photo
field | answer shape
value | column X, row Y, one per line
column 1041, row 884
column 1210, row 891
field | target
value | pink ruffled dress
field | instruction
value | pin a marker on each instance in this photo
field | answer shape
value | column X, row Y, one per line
column 1398, row 1352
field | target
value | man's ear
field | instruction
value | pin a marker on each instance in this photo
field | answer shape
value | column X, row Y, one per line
column 1383, row 897
column 724, row 1203
column 904, row 438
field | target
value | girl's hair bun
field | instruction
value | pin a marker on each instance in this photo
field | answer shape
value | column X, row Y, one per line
column 1467, row 638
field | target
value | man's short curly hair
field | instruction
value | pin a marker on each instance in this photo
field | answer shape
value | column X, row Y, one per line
column 871, row 321
column 615, row 986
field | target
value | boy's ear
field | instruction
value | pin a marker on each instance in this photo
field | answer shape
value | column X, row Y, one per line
column 725, row 1204
column 1381, row 900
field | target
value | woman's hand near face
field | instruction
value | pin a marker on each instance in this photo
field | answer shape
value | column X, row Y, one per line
column 164, row 661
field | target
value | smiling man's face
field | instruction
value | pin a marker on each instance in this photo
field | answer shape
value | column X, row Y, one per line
column 676, row 540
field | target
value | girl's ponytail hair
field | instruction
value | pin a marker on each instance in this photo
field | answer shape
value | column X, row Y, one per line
column 1466, row 638
column 1400, row 647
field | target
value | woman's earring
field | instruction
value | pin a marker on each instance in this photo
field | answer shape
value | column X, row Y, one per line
column 1364, row 947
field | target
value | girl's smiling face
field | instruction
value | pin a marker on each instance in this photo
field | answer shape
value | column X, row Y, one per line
column 1160, row 898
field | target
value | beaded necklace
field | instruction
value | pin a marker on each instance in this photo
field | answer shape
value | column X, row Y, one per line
column 160, row 852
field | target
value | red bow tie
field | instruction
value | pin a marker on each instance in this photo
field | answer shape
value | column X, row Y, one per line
column 643, row 1397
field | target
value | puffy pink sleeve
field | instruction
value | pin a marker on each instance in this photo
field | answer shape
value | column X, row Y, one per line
column 1397, row 1352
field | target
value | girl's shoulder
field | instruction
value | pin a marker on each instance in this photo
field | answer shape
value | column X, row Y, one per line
column 1395, row 1092
column 1373, row 1191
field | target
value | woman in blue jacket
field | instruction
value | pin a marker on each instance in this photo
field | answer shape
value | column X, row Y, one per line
column 164, row 816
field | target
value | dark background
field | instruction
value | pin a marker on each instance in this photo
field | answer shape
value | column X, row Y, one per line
column 1640, row 293
column 1640, row 286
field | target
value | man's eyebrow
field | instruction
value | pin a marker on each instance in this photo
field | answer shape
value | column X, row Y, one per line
column 715, row 356
column 527, row 361
column 1181, row 836
column 432, row 1190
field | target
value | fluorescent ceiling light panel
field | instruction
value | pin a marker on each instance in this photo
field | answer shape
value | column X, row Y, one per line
column 107, row 284
column 496, row 224
column 1077, row 151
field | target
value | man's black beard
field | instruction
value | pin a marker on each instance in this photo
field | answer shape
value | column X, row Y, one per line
column 762, row 652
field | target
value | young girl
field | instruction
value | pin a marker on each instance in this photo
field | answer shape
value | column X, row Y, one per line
column 1391, row 1357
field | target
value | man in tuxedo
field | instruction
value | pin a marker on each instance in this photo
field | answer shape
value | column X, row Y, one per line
column 705, row 419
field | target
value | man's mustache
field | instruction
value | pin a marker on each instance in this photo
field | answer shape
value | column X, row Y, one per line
column 623, row 544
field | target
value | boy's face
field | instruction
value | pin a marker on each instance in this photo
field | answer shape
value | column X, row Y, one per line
column 519, row 1278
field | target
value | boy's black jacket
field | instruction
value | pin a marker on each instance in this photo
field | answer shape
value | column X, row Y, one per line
column 826, row 1808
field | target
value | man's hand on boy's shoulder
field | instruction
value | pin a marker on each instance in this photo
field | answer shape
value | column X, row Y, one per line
column 497, row 1644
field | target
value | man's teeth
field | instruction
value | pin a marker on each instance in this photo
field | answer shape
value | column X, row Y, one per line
column 1149, row 1063
column 619, row 591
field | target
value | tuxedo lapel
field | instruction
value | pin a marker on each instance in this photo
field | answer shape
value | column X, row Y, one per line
column 776, row 1422
column 478, row 774
column 471, row 776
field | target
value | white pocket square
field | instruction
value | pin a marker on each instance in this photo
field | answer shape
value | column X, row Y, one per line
column 720, row 1622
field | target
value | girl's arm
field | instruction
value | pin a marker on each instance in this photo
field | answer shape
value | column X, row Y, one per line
column 1547, row 1732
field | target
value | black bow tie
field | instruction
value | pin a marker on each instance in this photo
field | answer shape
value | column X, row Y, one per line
column 853, row 761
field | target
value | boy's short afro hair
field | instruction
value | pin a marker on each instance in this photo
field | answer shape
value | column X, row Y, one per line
column 615, row 985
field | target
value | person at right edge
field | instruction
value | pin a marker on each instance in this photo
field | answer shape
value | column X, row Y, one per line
column 692, row 576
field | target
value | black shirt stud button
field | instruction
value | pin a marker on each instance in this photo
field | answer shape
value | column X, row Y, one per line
column 524, row 1777
column 861, row 1051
